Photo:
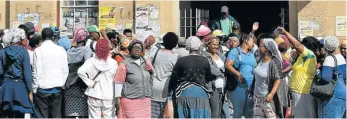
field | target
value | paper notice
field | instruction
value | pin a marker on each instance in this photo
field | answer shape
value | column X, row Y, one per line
column 341, row 27
column 305, row 29
column 45, row 25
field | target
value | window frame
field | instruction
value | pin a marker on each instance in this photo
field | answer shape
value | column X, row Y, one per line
column 74, row 7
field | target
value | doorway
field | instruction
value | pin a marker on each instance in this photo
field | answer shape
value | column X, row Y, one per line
column 269, row 14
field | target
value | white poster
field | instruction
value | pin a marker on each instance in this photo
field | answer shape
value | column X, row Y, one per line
column 305, row 29
column 154, row 12
column 141, row 17
column 341, row 25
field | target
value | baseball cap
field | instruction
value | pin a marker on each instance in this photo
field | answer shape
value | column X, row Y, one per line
column 236, row 25
column 93, row 28
column 216, row 33
column 28, row 27
column 225, row 9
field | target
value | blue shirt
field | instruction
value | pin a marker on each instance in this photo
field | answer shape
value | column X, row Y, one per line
column 327, row 71
column 246, row 61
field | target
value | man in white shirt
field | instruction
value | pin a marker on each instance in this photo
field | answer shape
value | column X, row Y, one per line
column 50, row 71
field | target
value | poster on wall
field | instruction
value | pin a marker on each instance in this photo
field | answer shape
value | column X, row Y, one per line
column 341, row 26
column 30, row 17
column 141, row 18
column 147, row 21
column 305, row 29
column 154, row 12
column 106, row 16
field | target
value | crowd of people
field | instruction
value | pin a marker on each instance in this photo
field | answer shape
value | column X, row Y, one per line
column 220, row 72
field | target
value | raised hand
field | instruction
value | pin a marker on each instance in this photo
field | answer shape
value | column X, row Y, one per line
column 255, row 26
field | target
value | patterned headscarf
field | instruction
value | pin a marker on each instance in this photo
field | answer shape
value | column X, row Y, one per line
column 80, row 35
column 193, row 43
column 331, row 43
column 14, row 35
column 64, row 42
column 271, row 46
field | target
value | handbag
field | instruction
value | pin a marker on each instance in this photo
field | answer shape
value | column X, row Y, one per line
column 324, row 91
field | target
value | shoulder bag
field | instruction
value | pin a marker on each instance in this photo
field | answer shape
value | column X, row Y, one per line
column 324, row 91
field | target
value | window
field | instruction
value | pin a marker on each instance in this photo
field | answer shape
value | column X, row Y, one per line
column 78, row 14
column 190, row 19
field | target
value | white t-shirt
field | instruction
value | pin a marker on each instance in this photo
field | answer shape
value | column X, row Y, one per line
column 219, row 83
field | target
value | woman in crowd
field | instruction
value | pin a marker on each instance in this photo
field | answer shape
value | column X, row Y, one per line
column 233, row 42
column 134, row 76
column 15, row 74
column 33, row 43
column 163, row 63
column 64, row 42
column 98, row 73
column 189, row 83
column 74, row 98
column 304, row 70
column 124, row 52
column 334, row 107
column 268, row 88
column 240, row 63
column 216, row 86
column 150, row 46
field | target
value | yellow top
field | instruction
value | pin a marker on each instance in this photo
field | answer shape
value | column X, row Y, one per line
column 303, row 73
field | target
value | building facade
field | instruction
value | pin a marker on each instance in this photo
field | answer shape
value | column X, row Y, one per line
column 169, row 16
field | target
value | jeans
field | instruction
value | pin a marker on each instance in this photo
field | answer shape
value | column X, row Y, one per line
column 332, row 108
column 242, row 103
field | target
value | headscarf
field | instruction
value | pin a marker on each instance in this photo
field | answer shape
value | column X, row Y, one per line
column 203, row 31
column 64, row 42
column 80, row 35
column 124, row 43
column 235, row 39
column 135, row 42
column 193, row 43
column 271, row 46
column 14, row 35
column 331, row 43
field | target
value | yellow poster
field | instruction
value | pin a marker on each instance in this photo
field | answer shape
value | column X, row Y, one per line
column 106, row 16
column 341, row 25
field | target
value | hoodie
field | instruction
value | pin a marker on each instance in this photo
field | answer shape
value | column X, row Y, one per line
column 20, row 68
column 75, row 55
column 102, row 87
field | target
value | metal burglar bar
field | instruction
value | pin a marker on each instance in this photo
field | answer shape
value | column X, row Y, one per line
column 190, row 20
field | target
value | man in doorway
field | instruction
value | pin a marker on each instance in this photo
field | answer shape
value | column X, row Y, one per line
column 225, row 23
column 50, row 72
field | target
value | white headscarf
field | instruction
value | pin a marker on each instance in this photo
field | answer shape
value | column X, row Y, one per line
column 193, row 43
column 13, row 36
column 271, row 45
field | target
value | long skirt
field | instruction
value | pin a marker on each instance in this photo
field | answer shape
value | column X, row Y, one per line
column 193, row 102
column 134, row 108
column 15, row 97
column 75, row 102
